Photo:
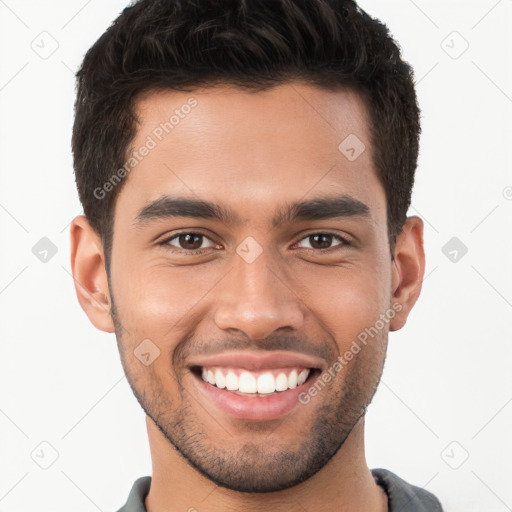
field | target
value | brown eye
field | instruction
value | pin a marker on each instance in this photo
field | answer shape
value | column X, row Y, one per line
column 188, row 242
column 321, row 241
column 324, row 241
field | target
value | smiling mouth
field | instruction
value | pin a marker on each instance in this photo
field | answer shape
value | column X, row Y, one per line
column 260, row 383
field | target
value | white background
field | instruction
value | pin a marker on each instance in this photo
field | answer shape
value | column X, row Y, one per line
column 446, row 392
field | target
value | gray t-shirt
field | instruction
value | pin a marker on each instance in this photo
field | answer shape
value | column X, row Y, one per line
column 402, row 497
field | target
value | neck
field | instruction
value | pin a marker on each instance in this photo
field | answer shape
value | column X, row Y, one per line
column 344, row 483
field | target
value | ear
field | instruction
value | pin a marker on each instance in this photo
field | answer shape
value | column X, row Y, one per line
column 408, row 271
column 89, row 275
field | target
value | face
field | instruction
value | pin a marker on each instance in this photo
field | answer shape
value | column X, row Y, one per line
column 249, row 248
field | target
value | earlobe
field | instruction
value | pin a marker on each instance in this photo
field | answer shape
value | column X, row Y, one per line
column 408, row 271
column 89, row 275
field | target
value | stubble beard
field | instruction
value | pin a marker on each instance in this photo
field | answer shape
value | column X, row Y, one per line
column 263, row 465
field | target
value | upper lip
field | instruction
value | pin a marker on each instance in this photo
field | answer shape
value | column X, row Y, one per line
column 257, row 360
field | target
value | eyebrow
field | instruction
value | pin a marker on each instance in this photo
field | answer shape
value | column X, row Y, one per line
column 320, row 208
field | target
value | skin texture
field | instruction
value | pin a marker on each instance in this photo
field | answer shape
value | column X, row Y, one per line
column 254, row 153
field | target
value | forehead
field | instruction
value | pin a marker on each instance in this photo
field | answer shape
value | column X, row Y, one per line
column 251, row 149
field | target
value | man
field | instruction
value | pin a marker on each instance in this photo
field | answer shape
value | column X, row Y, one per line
column 245, row 169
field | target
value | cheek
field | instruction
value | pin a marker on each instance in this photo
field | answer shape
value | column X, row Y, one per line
column 349, row 302
column 157, row 301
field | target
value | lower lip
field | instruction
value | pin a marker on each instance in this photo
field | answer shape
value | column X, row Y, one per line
column 257, row 408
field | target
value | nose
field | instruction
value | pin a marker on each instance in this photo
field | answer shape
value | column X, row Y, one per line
column 257, row 300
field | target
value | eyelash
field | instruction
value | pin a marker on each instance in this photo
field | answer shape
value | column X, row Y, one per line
column 198, row 252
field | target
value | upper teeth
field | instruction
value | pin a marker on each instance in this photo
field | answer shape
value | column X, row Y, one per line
column 245, row 381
